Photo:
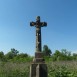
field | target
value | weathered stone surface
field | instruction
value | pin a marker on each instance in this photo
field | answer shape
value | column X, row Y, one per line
column 38, row 60
column 38, row 70
column 38, row 26
column 33, row 70
column 38, row 55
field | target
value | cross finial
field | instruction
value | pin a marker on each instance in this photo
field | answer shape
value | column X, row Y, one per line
column 38, row 18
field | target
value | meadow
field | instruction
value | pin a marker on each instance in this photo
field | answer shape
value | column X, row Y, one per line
column 55, row 69
column 60, row 64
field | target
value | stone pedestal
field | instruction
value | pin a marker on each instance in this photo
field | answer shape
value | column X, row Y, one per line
column 38, row 58
column 38, row 70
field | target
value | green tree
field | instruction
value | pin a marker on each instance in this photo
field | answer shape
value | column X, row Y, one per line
column 57, row 53
column 74, row 56
column 13, row 52
column 56, row 56
column 22, row 55
column 1, row 56
column 66, row 54
column 46, row 51
column 62, row 55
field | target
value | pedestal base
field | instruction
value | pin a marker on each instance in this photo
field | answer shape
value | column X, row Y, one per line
column 38, row 70
column 38, row 58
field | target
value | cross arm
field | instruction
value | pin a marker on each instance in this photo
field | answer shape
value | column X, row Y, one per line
column 43, row 24
column 32, row 23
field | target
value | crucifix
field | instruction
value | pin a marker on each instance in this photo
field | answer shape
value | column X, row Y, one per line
column 38, row 67
column 38, row 26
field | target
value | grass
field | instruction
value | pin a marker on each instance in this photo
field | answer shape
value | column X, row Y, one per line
column 10, row 69
column 62, row 69
column 55, row 69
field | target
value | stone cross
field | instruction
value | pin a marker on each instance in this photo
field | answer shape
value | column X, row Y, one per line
column 38, row 26
column 38, row 67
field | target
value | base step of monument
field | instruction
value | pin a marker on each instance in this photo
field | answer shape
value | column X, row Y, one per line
column 38, row 70
column 38, row 60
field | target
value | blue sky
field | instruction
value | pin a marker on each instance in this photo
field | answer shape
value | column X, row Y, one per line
column 15, row 30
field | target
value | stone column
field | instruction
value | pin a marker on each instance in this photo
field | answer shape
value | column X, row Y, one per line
column 38, row 39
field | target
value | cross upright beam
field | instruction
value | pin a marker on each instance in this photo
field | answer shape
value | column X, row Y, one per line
column 38, row 26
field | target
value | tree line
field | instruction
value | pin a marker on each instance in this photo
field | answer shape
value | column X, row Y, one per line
column 14, row 55
column 58, row 55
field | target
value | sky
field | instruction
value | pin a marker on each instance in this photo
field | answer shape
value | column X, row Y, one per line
column 16, row 32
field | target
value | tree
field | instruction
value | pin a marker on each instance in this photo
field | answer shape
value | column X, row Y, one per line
column 22, row 55
column 57, row 53
column 13, row 52
column 74, row 56
column 56, row 56
column 46, row 51
column 66, row 54
column 62, row 55
column 1, row 55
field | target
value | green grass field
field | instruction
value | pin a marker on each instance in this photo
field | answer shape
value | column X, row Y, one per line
column 55, row 69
